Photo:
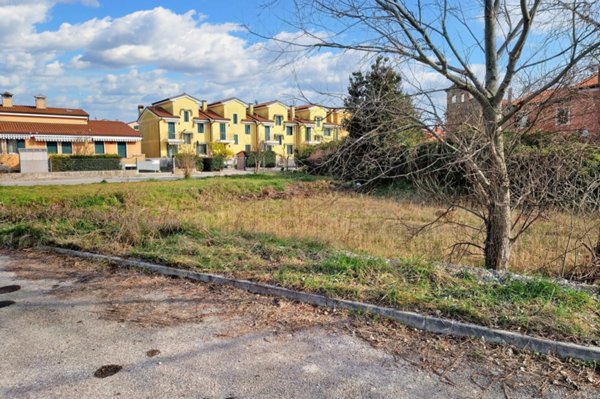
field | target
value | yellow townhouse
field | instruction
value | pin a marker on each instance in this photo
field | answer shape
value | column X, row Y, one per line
column 61, row 131
column 169, row 125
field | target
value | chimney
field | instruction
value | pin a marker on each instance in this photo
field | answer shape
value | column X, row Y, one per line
column 510, row 94
column 140, row 109
column 292, row 112
column 251, row 109
column 40, row 101
column 7, row 99
column 204, row 105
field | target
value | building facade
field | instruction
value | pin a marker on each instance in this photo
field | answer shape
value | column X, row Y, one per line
column 573, row 111
column 61, row 131
column 184, row 122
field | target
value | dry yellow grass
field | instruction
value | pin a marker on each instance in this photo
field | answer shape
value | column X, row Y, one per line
column 385, row 227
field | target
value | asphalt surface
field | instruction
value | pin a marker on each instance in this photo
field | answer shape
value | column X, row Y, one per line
column 53, row 344
column 120, row 179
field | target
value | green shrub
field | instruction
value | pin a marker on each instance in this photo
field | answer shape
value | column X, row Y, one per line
column 74, row 163
column 267, row 159
column 212, row 164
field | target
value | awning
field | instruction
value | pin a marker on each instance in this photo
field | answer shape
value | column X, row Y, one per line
column 120, row 139
column 61, row 138
column 15, row 136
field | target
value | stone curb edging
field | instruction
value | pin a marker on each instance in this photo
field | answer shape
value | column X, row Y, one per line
column 432, row 324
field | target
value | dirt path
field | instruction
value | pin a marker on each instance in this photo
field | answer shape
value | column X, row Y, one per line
column 169, row 338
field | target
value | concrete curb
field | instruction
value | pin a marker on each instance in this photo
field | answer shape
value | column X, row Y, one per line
column 437, row 325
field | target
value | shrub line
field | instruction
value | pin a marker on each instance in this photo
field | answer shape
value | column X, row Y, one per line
column 431, row 324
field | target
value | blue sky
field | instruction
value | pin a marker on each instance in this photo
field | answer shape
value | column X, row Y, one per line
column 107, row 56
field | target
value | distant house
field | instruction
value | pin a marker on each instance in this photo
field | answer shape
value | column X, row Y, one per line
column 573, row 111
column 61, row 131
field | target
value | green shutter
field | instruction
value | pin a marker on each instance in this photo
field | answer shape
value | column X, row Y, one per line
column 67, row 148
column 98, row 147
column 52, row 147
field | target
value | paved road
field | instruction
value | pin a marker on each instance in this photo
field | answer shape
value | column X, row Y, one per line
column 90, row 180
column 68, row 321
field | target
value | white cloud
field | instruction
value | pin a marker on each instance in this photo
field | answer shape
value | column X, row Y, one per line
column 109, row 65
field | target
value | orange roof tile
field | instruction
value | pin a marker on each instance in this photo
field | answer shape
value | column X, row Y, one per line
column 92, row 128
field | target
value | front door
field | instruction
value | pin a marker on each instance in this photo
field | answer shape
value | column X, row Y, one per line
column 122, row 150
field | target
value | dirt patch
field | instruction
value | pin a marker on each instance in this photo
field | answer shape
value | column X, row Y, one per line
column 297, row 190
column 7, row 289
column 157, row 301
column 153, row 352
column 107, row 370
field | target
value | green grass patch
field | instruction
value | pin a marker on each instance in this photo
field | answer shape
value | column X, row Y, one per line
column 177, row 223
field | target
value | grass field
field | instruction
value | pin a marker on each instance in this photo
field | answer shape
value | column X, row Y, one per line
column 297, row 231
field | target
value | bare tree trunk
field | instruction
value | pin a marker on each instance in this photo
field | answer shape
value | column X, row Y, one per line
column 497, row 243
column 499, row 220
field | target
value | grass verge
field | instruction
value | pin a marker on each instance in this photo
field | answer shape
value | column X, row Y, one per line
column 226, row 226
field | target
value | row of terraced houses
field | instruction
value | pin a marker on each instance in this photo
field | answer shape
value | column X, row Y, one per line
column 170, row 124
column 164, row 128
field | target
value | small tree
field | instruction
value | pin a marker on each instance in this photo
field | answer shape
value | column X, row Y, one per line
column 187, row 160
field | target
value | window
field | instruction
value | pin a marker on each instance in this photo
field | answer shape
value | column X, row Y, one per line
column 267, row 133
column 462, row 98
column 289, row 130
column 279, row 120
column 269, row 148
column 289, row 149
column 248, row 148
column 201, row 149
column 187, row 138
column 318, row 121
column 235, row 139
column 247, row 128
column 454, row 99
column 235, row 119
column 67, row 148
column 223, row 131
column 308, row 133
column 98, row 147
column 122, row 150
column 52, row 147
column 186, row 116
column 13, row 146
column 562, row 116
column 171, row 129
column 327, row 131
column 280, row 139
column 200, row 127
column 136, row 127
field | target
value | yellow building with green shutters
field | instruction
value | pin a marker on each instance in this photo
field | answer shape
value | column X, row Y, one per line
column 183, row 121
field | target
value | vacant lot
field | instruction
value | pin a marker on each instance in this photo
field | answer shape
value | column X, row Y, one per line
column 299, row 232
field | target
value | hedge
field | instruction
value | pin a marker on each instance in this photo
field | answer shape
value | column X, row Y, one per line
column 268, row 159
column 75, row 163
column 211, row 164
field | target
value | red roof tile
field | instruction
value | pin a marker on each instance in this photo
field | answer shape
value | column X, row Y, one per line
column 592, row 81
column 111, row 128
column 92, row 128
column 208, row 114
column 161, row 112
column 30, row 109
column 256, row 118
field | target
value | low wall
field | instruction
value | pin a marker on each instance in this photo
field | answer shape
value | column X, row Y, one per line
column 66, row 175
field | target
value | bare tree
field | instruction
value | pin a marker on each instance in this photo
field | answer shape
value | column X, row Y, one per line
column 529, row 45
